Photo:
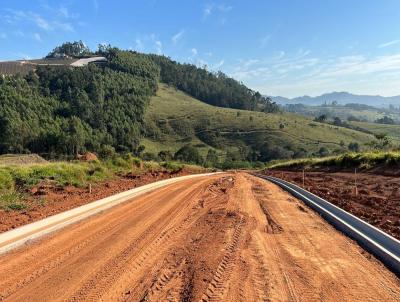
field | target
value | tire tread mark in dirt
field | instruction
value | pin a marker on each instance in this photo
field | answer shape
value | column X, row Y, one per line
column 54, row 263
column 260, row 276
column 64, row 255
column 272, row 226
column 216, row 287
column 97, row 284
column 173, row 271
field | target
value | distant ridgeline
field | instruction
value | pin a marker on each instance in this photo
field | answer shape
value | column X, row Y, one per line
column 76, row 100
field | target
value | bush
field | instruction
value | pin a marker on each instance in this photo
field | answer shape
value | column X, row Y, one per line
column 189, row 154
column 12, row 201
column 6, row 181
column 172, row 166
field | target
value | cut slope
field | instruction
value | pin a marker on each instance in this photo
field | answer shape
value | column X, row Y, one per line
column 174, row 119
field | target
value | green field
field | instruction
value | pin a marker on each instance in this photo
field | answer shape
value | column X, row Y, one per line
column 363, row 160
column 343, row 112
column 393, row 131
column 174, row 119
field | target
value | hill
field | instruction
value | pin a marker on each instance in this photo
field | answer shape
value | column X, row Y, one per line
column 341, row 98
column 174, row 119
column 349, row 111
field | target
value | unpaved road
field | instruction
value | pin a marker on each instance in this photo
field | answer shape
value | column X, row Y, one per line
column 225, row 237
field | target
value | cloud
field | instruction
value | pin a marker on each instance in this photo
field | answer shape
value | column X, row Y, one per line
column 95, row 6
column 218, row 65
column 207, row 10
column 158, row 45
column 301, row 73
column 175, row 38
column 16, row 17
column 210, row 8
column 139, row 45
column 390, row 43
column 194, row 51
column 37, row 37
column 264, row 41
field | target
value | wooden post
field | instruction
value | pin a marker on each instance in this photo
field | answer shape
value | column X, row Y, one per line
column 355, row 182
column 282, row 176
column 90, row 188
column 303, row 178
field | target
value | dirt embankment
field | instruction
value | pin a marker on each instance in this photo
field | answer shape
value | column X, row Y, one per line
column 229, row 237
column 377, row 200
column 46, row 199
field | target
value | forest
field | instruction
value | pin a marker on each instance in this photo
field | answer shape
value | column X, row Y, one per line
column 63, row 111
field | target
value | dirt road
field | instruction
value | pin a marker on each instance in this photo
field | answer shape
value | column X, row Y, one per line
column 226, row 237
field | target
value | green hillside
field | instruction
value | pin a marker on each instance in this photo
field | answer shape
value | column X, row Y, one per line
column 393, row 131
column 174, row 119
column 353, row 111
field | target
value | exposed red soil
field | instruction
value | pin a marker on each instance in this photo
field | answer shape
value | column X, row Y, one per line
column 377, row 201
column 226, row 237
column 47, row 200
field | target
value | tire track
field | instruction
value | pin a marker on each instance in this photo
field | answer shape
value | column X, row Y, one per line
column 96, row 285
column 216, row 288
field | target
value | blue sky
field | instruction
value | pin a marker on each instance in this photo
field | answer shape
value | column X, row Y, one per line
column 285, row 47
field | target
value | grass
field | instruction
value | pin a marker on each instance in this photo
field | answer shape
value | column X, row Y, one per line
column 12, row 201
column 364, row 160
column 174, row 119
column 15, row 180
column 393, row 131
column 343, row 112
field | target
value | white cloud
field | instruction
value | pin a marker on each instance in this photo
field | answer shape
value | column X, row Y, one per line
column 178, row 36
column 194, row 51
column 139, row 45
column 158, row 45
column 208, row 10
column 15, row 17
column 264, row 40
column 221, row 8
column 37, row 37
column 95, row 6
column 301, row 73
column 390, row 43
column 218, row 65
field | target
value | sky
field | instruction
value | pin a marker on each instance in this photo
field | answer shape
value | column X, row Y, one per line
column 278, row 47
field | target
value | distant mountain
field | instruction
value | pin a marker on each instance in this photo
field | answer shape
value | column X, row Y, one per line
column 341, row 98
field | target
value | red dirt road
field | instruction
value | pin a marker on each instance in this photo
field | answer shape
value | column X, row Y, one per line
column 222, row 238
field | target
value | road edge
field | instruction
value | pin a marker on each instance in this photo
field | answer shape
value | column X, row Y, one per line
column 24, row 234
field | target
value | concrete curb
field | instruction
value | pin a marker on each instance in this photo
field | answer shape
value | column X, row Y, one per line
column 19, row 236
column 385, row 247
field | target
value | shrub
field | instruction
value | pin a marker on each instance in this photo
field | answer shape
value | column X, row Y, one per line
column 188, row 154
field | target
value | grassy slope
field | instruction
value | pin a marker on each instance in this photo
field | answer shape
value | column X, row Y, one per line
column 344, row 112
column 391, row 130
column 365, row 160
column 237, row 126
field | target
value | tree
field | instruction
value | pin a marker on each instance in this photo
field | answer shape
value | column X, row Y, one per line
column 385, row 120
column 70, row 49
column 323, row 151
column 189, row 154
column 354, row 147
column 211, row 158
column 321, row 119
column 165, row 155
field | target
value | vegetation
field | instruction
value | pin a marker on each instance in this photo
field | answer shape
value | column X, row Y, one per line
column 212, row 88
column 64, row 111
column 225, row 138
column 349, row 160
column 16, row 180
